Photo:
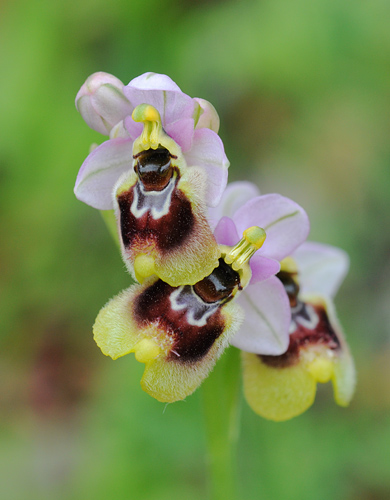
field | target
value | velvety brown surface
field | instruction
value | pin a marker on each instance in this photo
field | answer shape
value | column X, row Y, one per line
column 303, row 337
column 191, row 343
column 168, row 232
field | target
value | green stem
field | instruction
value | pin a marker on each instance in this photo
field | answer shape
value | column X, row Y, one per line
column 222, row 404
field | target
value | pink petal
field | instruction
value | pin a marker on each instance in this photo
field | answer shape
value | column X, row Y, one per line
column 284, row 221
column 322, row 268
column 101, row 170
column 226, row 233
column 133, row 128
column 101, row 102
column 95, row 81
column 111, row 104
column 162, row 93
column 181, row 132
column 234, row 196
column 267, row 318
column 90, row 116
column 208, row 152
column 263, row 268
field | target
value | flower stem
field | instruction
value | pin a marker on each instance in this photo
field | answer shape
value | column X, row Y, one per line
column 222, row 404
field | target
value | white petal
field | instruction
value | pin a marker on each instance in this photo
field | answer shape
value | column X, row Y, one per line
column 154, row 81
column 321, row 268
column 162, row 93
column 101, row 170
column 90, row 116
column 267, row 318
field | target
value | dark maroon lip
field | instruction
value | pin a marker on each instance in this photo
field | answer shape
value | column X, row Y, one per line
column 323, row 334
column 190, row 343
column 187, row 314
column 167, row 232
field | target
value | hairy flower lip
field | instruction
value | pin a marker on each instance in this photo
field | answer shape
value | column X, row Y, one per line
column 282, row 387
column 179, row 332
column 141, row 319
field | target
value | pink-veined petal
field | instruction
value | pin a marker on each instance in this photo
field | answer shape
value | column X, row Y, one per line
column 101, row 170
column 284, row 221
column 162, row 93
column 234, row 196
column 267, row 318
column 322, row 268
column 208, row 152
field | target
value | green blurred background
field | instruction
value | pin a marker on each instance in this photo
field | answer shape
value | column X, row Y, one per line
column 303, row 92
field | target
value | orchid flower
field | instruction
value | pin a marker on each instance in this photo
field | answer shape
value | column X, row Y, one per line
column 266, row 324
column 160, row 210
column 179, row 332
column 281, row 387
column 281, row 370
column 107, row 107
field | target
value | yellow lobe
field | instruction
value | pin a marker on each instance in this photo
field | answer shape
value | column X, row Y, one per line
column 289, row 265
column 255, row 236
column 321, row 369
column 146, row 350
column 274, row 393
column 146, row 113
column 253, row 239
column 143, row 267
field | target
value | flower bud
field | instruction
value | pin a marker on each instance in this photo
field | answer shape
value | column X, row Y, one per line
column 101, row 102
column 208, row 116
